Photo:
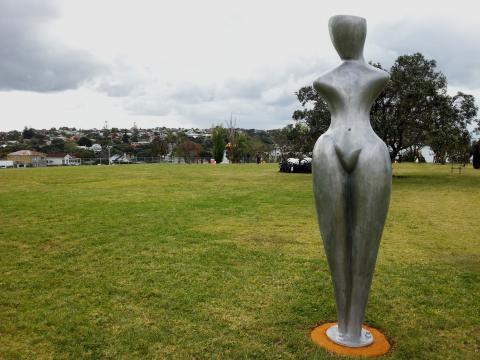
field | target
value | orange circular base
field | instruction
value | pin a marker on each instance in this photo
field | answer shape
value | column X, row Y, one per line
column 380, row 345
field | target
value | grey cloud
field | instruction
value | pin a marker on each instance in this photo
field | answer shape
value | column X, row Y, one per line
column 252, row 114
column 265, row 100
column 453, row 45
column 148, row 105
column 116, row 88
column 282, row 94
column 29, row 60
column 243, row 88
column 121, row 79
column 161, row 99
column 296, row 74
column 192, row 93
column 300, row 71
column 258, row 113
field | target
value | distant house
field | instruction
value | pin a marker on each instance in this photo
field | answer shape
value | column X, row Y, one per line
column 6, row 164
column 70, row 160
column 28, row 158
column 139, row 143
column 61, row 159
column 193, row 134
column 196, row 134
column 55, row 159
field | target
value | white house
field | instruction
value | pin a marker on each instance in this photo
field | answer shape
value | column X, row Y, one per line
column 193, row 134
column 70, row 160
column 62, row 160
column 6, row 164
column 54, row 160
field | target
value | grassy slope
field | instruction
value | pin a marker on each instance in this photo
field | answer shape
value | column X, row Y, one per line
column 172, row 261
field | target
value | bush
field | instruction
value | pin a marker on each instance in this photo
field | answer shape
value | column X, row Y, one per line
column 293, row 165
column 476, row 155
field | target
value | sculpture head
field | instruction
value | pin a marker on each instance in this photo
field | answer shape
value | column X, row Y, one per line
column 348, row 35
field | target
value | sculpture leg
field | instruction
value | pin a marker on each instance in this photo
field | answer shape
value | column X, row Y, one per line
column 351, row 209
column 371, row 185
column 329, row 182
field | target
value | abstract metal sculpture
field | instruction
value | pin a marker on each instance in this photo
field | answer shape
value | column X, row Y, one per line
column 352, row 179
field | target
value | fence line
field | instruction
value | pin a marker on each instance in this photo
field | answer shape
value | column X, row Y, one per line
column 151, row 160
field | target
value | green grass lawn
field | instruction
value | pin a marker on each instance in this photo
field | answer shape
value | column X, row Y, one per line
column 223, row 262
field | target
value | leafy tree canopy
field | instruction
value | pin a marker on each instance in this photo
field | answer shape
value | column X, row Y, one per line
column 84, row 141
column 414, row 110
column 219, row 135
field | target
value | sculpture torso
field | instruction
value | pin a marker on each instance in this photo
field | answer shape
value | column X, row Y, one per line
column 349, row 91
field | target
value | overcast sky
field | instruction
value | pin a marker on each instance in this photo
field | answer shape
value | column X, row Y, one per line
column 193, row 63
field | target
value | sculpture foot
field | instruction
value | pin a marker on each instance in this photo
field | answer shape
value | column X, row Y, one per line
column 380, row 345
column 365, row 339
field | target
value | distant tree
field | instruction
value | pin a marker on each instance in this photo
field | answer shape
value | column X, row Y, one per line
column 412, row 154
column 189, row 150
column 313, row 120
column 219, row 133
column 239, row 143
column 159, row 146
column 28, row 133
column 14, row 135
column 125, row 138
column 117, row 141
column 459, row 149
column 135, row 134
column 258, row 146
column 142, row 151
column 71, row 147
column 84, row 141
column 413, row 110
column 4, row 151
column 207, row 147
column 38, row 140
column 239, row 147
column 122, row 148
column 83, row 153
column 448, row 135
column 282, row 141
column 294, row 140
column 171, row 140
column 57, row 145
column 205, row 154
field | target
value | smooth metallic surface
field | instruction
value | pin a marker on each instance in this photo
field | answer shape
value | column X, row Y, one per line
column 351, row 176
column 333, row 334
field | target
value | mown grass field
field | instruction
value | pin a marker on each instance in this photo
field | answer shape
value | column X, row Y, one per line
column 224, row 262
